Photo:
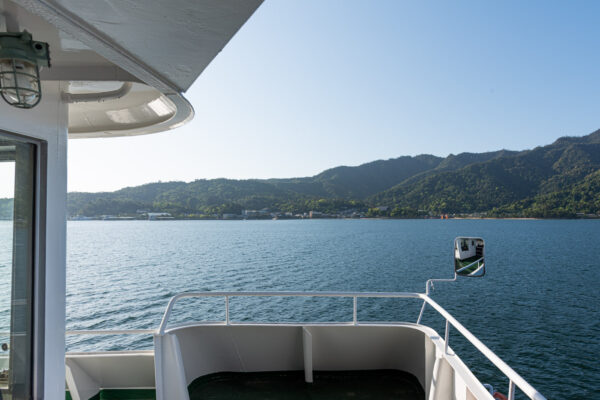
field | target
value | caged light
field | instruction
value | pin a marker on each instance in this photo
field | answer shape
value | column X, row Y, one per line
column 20, row 62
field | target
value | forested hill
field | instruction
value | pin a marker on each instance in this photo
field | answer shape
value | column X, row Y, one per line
column 557, row 180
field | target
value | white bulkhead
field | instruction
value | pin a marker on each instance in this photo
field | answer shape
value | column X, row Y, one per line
column 116, row 69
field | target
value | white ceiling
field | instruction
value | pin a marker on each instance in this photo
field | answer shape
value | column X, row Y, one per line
column 159, row 45
column 173, row 40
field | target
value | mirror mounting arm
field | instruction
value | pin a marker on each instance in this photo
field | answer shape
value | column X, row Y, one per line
column 469, row 260
column 429, row 283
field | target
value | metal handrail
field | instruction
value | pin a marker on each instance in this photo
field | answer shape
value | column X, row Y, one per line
column 111, row 332
column 511, row 374
column 514, row 378
column 468, row 266
column 227, row 295
column 102, row 332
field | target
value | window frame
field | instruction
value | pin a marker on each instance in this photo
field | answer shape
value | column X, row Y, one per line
column 38, row 267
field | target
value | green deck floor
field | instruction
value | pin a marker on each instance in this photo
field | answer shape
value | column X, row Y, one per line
column 463, row 263
column 290, row 385
column 122, row 394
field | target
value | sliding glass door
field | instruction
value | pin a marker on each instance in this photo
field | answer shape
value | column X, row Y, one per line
column 18, row 204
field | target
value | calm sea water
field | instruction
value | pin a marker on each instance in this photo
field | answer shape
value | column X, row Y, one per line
column 538, row 307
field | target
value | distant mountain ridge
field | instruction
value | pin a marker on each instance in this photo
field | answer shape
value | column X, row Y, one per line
column 496, row 184
column 548, row 181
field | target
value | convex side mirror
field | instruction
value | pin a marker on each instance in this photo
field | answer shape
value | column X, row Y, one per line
column 469, row 256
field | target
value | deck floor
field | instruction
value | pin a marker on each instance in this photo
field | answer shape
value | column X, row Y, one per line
column 290, row 385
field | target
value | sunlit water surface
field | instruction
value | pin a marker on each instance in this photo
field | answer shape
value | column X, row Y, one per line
column 538, row 306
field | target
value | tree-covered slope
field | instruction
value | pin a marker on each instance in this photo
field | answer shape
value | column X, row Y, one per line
column 368, row 179
column 580, row 198
column 343, row 186
column 454, row 162
column 359, row 182
column 502, row 182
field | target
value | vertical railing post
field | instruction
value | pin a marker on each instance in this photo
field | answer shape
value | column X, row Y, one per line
column 511, row 390
column 446, row 337
column 421, row 313
column 354, row 318
column 226, row 310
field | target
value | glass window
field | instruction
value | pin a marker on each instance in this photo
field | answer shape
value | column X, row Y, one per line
column 17, row 210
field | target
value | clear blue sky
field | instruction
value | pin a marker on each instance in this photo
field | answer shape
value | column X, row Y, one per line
column 309, row 85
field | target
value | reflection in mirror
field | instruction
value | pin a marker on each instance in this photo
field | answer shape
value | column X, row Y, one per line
column 469, row 257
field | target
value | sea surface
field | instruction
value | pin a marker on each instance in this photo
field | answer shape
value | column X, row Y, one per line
column 538, row 307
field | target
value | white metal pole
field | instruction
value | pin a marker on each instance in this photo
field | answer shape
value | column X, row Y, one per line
column 226, row 310
column 446, row 336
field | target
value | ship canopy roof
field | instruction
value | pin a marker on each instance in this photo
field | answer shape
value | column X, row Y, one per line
column 127, row 63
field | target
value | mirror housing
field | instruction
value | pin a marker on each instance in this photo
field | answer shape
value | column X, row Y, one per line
column 469, row 257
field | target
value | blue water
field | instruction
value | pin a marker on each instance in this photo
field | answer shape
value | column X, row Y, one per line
column 538, row 307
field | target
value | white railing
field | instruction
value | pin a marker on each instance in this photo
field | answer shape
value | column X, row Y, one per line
column 470, row 265
column 227, row 295
column 112, row 332
column 513, row 377
column 515, row 380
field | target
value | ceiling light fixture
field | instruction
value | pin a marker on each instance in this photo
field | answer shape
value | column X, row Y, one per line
column 20, row 62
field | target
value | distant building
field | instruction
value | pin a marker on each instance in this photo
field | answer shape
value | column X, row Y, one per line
column 256, row 213
column 115, row 218
column 382, row 208
column 80, row 218
column 157, row 216
column 230, row 216
column 315, row 214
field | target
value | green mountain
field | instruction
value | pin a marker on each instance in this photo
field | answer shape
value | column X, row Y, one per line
column 558, row 180
column 367, row 179
column 500, row 183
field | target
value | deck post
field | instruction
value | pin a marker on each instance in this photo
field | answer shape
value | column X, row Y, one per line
column 446, row 337
column 511, row 390
column 307, row 352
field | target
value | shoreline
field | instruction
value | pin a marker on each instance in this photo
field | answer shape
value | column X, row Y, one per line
column 313, row 219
